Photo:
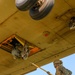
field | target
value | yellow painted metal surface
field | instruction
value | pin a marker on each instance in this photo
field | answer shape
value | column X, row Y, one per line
column 59, row 43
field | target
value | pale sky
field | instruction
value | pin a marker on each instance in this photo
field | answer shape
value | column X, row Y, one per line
column 68, row 62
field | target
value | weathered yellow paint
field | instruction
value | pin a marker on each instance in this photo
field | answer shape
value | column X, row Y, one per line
column 58, row 44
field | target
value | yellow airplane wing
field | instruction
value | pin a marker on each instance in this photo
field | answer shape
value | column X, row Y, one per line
column 50, row 38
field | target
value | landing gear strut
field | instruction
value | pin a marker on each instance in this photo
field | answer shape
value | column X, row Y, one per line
column 38, row 9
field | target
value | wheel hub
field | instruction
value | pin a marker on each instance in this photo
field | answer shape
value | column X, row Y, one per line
column 38, row 5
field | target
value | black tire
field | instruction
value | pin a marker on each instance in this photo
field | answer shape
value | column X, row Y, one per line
column 42, row 11
column 24, row 5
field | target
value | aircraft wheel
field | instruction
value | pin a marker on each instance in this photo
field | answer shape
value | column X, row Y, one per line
column 24, row 5
column 41, row 9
